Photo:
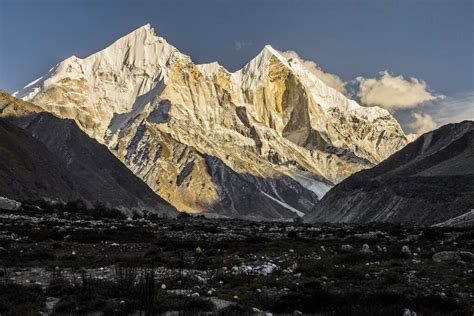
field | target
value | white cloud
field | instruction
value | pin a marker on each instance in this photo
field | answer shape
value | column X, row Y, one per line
column 454, row 109
column 331, row 80
column 239, row 45
column 422, row 123
column 394, row 92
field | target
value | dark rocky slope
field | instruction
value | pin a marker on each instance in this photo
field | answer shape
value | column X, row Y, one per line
column 47, row 157
column 28, row 170
column 257, row 198
column 429, row 181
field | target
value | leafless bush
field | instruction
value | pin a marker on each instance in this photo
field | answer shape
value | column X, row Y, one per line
column 125, row 276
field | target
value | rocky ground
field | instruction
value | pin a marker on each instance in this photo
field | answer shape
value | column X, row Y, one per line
column 68, row 260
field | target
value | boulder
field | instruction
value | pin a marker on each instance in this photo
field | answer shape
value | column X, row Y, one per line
column 466, row 256
column 9, row 205
column 446, row 256
column 347, row 248
column 366, row 249
column 406, row 251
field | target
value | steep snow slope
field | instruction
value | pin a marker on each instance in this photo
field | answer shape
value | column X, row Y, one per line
column 271, row 124
column 429, row 181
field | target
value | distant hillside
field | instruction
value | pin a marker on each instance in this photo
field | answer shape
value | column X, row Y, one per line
column 429, row 181
column 28, row 170
column 48, row 157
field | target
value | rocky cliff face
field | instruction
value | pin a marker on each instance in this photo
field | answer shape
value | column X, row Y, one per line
column 190, row 130
column 430, row 181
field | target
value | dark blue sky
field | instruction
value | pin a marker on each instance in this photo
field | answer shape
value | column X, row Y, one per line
column 431, row 40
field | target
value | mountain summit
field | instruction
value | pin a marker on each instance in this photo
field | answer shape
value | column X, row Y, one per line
column 264, row 142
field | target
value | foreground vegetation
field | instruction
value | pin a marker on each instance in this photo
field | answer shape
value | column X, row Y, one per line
column 67, row 259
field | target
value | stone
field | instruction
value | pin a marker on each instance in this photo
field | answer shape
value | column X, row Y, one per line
column 211, row 292
column 466, row 256
column 366, row 249
column 446, row 256
column 407, row 312
column 9, row 205
column 347, row 248
column 406, row 251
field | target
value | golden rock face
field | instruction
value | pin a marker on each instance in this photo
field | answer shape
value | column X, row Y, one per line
column 204, row 118
column 10, row 106
column 179, row 174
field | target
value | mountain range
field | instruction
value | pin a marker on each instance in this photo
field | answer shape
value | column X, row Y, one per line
column 264, row 142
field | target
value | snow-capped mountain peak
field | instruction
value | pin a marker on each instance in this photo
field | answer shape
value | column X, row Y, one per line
column 205, row 138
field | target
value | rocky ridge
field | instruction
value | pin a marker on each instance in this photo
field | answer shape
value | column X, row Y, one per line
column 430, row 181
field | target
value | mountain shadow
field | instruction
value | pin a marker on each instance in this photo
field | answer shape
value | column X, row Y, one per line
column 47, row 157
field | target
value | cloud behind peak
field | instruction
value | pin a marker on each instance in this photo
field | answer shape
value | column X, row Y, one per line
column 394, row 92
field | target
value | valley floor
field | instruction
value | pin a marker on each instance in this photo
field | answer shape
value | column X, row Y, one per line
column 59, row 263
